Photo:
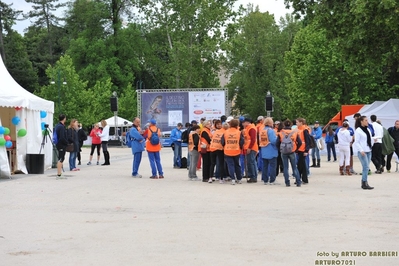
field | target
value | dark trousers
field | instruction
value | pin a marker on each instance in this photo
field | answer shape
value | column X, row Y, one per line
column 376, row 155
column 389, row 158
column 217, row 159
column 303, row 173
column 279, row 164
column 206, row 166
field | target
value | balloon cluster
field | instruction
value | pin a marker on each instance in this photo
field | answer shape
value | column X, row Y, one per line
column 43, row 114
column 6, row 140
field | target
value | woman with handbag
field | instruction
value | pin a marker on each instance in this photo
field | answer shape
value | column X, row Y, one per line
column 73, row 146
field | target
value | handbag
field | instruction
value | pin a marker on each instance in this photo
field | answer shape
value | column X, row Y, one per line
column 320, row 144
column 70, row 147
column 203, row 148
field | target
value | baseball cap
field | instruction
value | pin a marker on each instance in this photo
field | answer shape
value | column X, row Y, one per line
column 260, row 118
column 277, row 122
column 153, row 121
column 194, row 121
column 247, row 119
column 229, row 119
column 316, row 122
column 241, row 118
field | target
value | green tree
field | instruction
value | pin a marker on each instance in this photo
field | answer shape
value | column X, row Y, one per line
column 8, row 15
column 255, row 59
column 185, row 38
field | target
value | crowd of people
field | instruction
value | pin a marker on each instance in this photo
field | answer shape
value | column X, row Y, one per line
column 228, row 149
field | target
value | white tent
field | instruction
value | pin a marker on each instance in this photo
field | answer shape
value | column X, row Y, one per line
column 16, row 101
column 387, row 112
column 364, row 109
column 120, row 122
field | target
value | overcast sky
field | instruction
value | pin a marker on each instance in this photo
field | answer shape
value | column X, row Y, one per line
column 275, row 7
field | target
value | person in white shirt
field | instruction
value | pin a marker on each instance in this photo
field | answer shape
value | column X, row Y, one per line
column 344, row 143
column 363, row 145
column 376, row 154
column 104, row 135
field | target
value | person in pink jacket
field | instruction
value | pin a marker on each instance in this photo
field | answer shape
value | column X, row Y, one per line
column 95, row 143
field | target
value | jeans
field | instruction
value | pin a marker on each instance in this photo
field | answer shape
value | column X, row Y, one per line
column 315, row 153
column 188, row 158
column 251, row 165
column 291, row 159
column 242, row 165
column 136, row 162
column 177, row 154
column 72, row 160
column 155, row 163
column 303, row 173
column 260, row 163
column 331, row 147
column 269, row 169
column 365, row 161
column 192, row 170
column 233, row 166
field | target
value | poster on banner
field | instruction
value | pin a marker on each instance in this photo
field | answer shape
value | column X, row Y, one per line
column 175, row 117
column 165, row 108
column 208, row 104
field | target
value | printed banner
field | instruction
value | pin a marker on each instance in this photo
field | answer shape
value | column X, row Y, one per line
column 208, row 104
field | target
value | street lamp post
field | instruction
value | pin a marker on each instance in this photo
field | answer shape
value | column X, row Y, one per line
column 59, row 89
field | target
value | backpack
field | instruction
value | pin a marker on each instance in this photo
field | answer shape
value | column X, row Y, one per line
column 312, row 142
column 286, row 144
column 184, row 136
column 55, row 136
column 128, row 139
column 183, row 162
column 154, row 139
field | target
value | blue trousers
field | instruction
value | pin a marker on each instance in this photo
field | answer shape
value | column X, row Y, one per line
column 136, row 162
column 233, row 166
column 72, row 160
column 269, row 170
column 155, row 163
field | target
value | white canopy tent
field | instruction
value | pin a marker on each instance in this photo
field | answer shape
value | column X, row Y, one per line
column 365, row 108
column 120, row 122
column 387, row 112
column 16, row 101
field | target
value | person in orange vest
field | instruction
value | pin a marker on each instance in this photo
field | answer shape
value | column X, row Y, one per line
column 259, row 124
column 193, row 146
column 250, row 149
column 268, row 151
column 205, row 140
column 303, row 149
column 153, row 151
column 233, row 142
column 217, row 155
column 288, row 143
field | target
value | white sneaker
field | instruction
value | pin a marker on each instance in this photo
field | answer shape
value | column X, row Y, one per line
column 239, row 182
column 233, row 182
column 221, row 181
column 89, row 163
column 210, row 181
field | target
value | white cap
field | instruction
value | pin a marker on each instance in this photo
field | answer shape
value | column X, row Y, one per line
column 260, row 118
column 229, row 119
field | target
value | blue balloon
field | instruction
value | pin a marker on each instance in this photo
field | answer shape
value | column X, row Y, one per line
column 15, row 120
column 43, row 125
column 43, row 114
column 2, row 130
column 8, row 144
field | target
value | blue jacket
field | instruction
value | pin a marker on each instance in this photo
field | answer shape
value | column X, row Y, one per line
column 138, row 141
column 270, row 151
column 175, row 135
column 329, row 138
column 317, row 133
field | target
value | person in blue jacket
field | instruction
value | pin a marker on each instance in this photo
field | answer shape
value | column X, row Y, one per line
column 138, row 144
column 317, row 134
column 269, row 153
column 175, row 137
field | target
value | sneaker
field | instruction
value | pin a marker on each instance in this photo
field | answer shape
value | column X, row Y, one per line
column 161, row 177
column 239, row 182
column 75, row 169
column 273, row 183
column 138, row 176
column 287, row 185
column 233, row 182
column 251, row 180
column 388, row 171
column 210, row 181
column 221, row 181
column 89, row 163
column 154, row 177
column 266, row 183
column 98, row 163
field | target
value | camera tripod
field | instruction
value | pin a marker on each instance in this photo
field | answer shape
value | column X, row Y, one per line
column 46, row 133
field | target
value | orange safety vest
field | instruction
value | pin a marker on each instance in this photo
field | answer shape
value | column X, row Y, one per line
column 232, row 142
column 191, row 140
column 247, row 138
column 149, row 146
column 294, row 135
column 204, row 141
column 263, row 137
column 302, row 137
column 216, row 143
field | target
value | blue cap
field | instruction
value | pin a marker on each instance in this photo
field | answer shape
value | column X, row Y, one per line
column 153, row 121
column 242, row 118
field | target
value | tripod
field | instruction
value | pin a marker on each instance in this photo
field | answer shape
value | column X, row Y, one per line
column 46, row 133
